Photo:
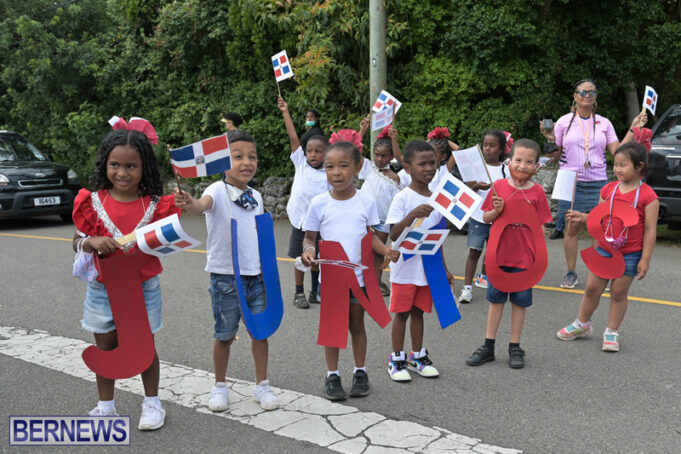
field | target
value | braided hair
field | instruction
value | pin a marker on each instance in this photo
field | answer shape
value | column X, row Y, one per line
column 150, row 184
column 574, row 107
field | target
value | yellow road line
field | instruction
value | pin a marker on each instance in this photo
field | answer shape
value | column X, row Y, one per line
column 287, row 259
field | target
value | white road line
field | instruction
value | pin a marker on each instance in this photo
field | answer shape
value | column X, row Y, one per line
column 340, row 428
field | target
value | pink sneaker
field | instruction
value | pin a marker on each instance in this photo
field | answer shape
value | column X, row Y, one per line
column 573, row 331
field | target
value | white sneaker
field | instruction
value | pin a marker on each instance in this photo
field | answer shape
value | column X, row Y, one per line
column 98, row 411
column 263, row 394
column 219, row 397
column 153, row 416
column 466, row 296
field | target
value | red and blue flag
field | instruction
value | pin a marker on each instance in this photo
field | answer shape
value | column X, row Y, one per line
column 650, row 99
column 200, row 159
column 164, row 237
column 282, row 66
column 455, row 200
column 421, row 241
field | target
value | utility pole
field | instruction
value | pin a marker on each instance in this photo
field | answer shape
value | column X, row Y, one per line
column 377, row 57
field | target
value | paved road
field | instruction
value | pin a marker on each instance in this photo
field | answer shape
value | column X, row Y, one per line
column 571, row 396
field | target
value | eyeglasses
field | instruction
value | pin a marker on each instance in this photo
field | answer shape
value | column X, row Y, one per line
column 583, row 93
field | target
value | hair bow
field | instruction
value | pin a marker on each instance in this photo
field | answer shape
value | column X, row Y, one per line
column 439, row 133
column 384, row 133
column 347, row 135
column 137, row 124
column 509, row 142
column 643, row 136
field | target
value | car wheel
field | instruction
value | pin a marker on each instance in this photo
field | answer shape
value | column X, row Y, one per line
column 66, row 217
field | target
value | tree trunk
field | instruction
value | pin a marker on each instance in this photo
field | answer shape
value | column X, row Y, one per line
column 633, row 105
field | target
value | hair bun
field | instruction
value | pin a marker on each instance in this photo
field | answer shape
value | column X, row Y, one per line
column 347, row 135
column 384, row 133
column 439, row 133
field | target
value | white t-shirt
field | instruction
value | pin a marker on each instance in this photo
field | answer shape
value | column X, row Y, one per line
column 405, row 178
column 219, row 242
column 411, row 271
column 497, row 174
column 379, row 186
column 344, row 221
column 307, row 183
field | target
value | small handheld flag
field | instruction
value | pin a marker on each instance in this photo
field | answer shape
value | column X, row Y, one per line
column 385, row 100
column 343, row 263
column 420, row 241
column 282, row 66
column 454, row 200
column 650, row 99
column 382, row 118
column 164, row 237
column 200, row 159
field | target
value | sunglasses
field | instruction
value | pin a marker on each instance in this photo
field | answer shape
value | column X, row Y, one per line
column 583, row 93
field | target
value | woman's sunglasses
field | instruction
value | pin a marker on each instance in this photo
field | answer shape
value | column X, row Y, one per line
column 583, row 93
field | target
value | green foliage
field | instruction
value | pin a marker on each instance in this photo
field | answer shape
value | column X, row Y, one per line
column 467, row 65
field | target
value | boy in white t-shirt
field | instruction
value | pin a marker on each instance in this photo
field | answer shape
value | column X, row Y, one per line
column 410, row 296
column 221, row 202
column 308, row 181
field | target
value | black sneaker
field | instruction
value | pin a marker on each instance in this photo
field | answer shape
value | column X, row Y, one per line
column 516, row 357
column 556, row 235
column 313, row 298
column 300, row 302
column 480, row 356
column 333, row 389
column 360, row 384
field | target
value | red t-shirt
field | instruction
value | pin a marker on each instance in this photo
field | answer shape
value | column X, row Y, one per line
column 125, row 215
column 635, row 235
column 516, row 245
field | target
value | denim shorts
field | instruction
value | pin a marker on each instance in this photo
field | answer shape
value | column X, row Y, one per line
column 295, row 242
column 587, row 195
column 382, row 227
column 478, row 232
column 522, row 298
column 97, row 316
column 630, row 260
column 225, row 301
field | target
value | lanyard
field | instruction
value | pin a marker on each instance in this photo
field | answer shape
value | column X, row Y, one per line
column 608, row 229
column 587, row 163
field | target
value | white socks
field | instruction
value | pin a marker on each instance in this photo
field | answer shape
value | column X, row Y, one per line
column 151, row 400
column 107, row 406
column 582, row 325
column 331, row 372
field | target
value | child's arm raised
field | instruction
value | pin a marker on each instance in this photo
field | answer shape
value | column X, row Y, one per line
column 491, row 215
column 309, row 251
column 191, row 205
column 421, row 211
column 649, row 237
column 290, row 129
column 364, row 125
column 392, row 132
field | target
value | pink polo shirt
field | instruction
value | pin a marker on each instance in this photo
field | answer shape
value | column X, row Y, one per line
column 574, row 154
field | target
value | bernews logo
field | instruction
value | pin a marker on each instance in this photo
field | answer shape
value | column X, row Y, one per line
column 69, row 430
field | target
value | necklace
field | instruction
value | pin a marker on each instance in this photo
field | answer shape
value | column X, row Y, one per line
column 586, row 133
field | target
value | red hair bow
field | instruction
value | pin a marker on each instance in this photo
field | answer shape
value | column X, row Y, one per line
column 439, row 133
column 643, row 136
column 347, row 135
column 137, row 124
column 384, row 133
column 509, row 142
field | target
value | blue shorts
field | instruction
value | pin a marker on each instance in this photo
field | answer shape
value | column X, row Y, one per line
column 478, row 232
column 97, row 316
column 225, row 301
column 522, row 298
column 630, row 261
column 382, row 227
column 587, row 195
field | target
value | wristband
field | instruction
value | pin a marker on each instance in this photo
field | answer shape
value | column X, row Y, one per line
column 308, row 247
column 632, row 130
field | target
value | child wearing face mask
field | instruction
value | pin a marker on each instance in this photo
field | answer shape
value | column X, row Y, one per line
column 313, row 128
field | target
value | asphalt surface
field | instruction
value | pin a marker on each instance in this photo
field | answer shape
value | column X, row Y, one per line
column 571, row 396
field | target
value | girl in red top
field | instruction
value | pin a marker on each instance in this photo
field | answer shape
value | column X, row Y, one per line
column 636, row 244
column 127, row 194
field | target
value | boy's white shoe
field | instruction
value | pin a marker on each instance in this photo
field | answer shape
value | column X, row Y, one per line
column 219, row 397
column 98, row 411
column 263, row 394
column 153, row 416
column 466, row 296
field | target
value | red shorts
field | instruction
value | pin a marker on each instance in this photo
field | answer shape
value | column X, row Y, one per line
column 405, row 296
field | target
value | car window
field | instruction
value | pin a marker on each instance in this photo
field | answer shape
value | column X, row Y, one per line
column 670, row 126
column 19, row 149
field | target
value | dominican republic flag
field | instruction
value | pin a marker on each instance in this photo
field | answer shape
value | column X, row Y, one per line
column 385, row 100
column 454, row 200
column 164, row 237
column 420, row 241
column 650, row 99
column 200, row 159
column 382, row 118
column 282, row 66
column 343, row 263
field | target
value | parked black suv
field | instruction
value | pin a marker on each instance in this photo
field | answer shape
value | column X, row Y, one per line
column 665, row 165
column 30, row 183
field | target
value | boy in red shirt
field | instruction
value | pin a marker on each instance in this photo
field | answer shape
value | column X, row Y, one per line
column 516, row 250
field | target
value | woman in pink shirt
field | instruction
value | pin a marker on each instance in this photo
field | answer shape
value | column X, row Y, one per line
column 583, row 140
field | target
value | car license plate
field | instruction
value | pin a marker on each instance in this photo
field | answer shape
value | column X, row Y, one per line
column 43, row 201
